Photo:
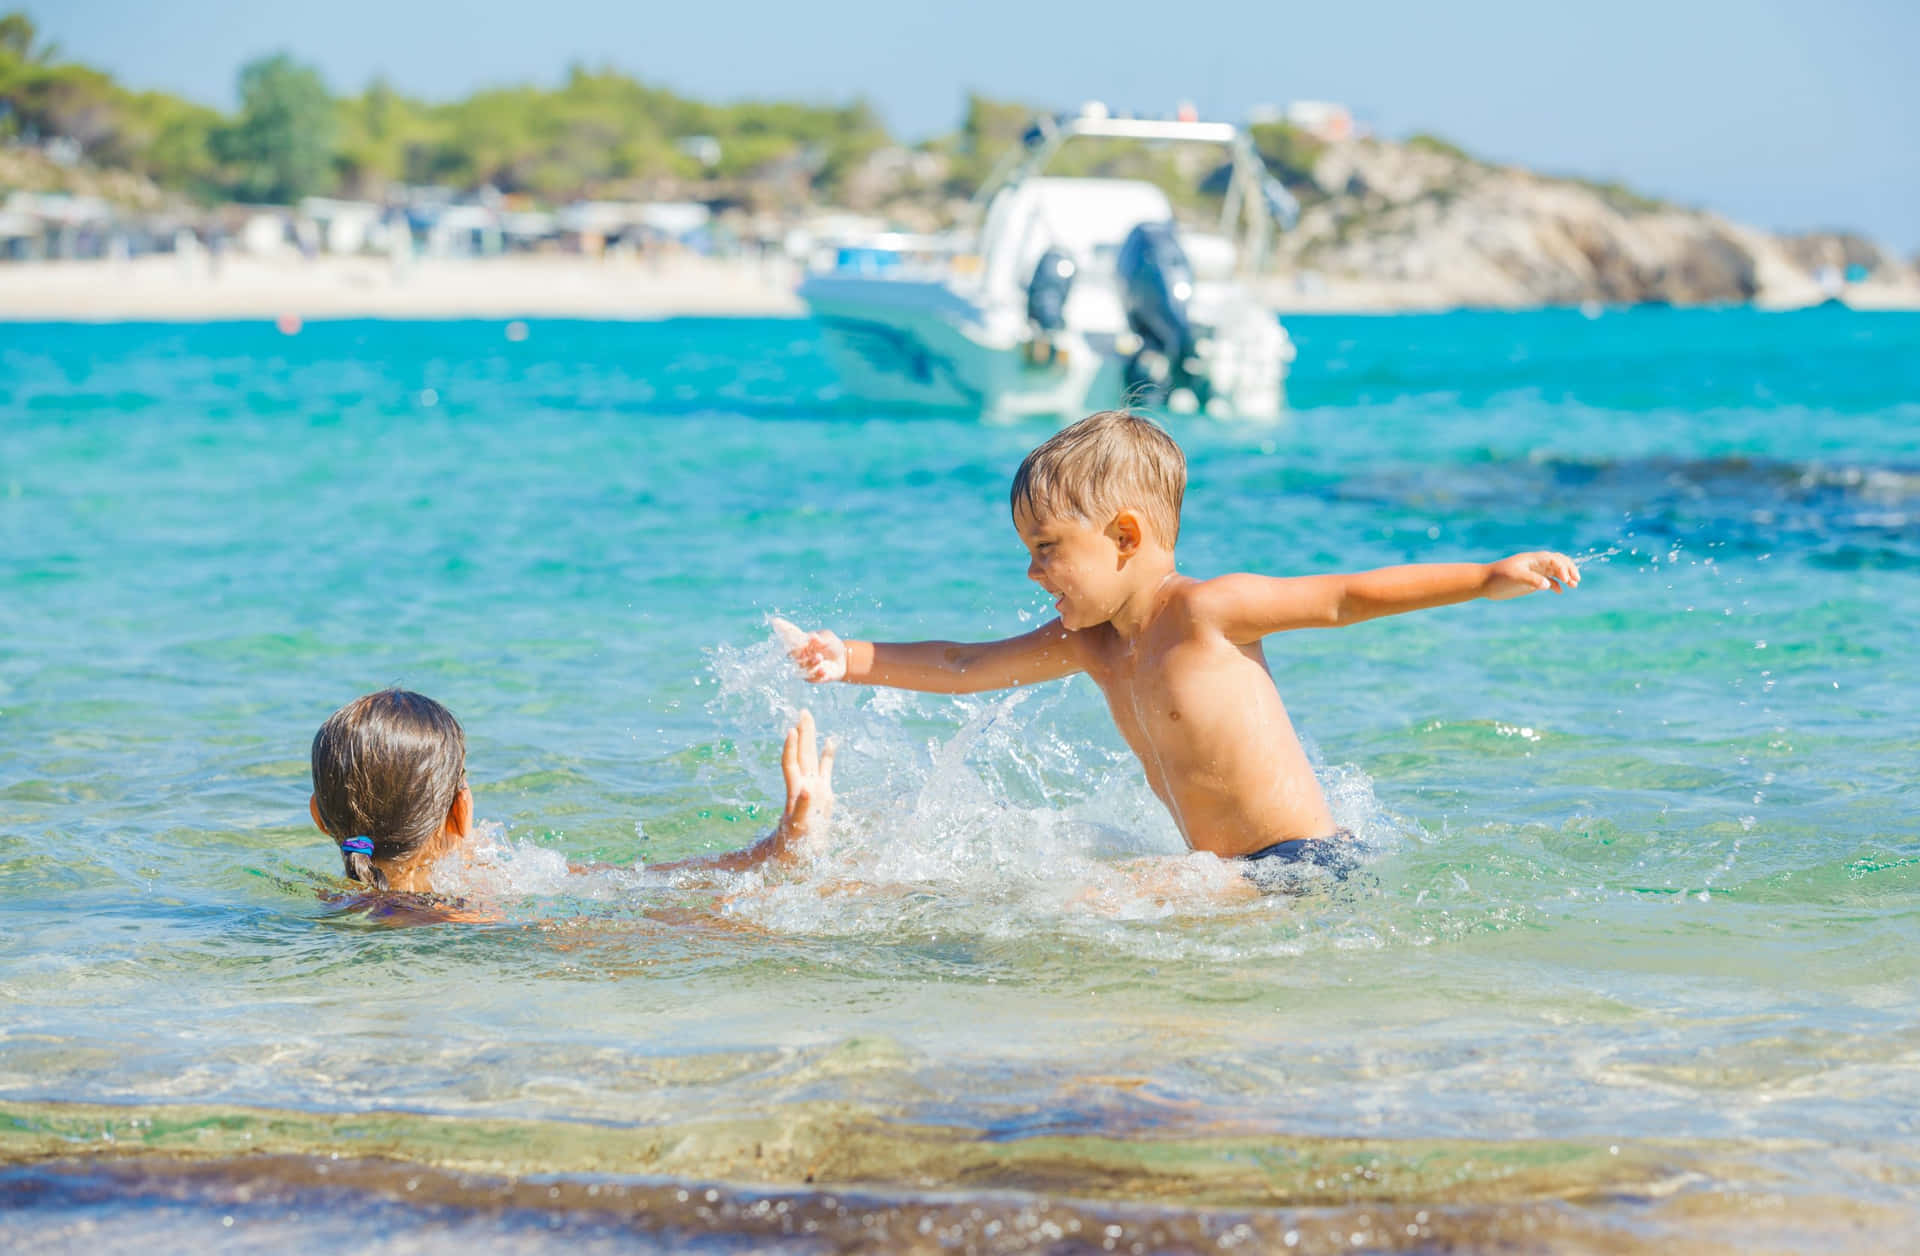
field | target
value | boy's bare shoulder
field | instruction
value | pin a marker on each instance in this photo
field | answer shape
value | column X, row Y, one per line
column 1203, row 601
column 1241, row 605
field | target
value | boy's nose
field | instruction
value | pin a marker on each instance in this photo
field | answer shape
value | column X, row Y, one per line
column 1033, row 570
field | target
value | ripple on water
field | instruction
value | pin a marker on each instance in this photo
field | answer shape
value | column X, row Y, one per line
column 1640, row 860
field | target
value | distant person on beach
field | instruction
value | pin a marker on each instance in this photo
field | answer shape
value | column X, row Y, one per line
column 390, row 788
column 1178, row 659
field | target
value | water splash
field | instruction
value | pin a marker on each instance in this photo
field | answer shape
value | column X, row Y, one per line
column 990, row 816
column 494, row 866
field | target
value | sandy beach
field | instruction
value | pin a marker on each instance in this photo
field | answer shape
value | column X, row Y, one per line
column 191, row 289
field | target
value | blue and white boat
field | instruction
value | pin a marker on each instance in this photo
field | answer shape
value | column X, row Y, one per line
column 1061, row 295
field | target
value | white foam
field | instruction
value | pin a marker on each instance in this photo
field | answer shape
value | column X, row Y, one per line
column 493, row 865
column 990, row 815
column 993, row 818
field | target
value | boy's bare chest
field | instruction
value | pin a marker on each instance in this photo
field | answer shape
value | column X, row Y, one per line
column 1172, row 683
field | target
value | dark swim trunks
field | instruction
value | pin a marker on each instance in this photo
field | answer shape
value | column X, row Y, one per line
column 1273, row 867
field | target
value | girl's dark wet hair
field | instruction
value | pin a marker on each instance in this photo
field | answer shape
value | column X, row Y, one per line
column 387, row 767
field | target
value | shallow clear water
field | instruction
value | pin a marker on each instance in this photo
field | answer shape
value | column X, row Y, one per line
column 1641, row 909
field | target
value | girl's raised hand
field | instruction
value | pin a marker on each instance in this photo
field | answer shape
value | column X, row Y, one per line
column 809, row 775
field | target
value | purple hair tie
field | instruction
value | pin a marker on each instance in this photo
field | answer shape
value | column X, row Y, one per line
column 358, row 846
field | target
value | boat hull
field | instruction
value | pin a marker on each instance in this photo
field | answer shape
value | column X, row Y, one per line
column 917, row 344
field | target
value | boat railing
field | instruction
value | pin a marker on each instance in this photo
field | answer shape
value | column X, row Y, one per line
column 1249, row 211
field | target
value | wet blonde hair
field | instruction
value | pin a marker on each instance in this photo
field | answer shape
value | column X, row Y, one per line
column 387, row 767
column 1107, row 462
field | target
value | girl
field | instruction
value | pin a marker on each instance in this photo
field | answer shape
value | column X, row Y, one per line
column 390, row 787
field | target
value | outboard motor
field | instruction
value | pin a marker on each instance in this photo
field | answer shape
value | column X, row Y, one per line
column 1156, row 283
column 1047, row 290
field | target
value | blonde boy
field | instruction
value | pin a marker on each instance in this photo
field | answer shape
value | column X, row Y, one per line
column 1178, row 659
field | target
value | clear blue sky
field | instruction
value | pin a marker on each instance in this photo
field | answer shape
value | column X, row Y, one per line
column 1786, row 116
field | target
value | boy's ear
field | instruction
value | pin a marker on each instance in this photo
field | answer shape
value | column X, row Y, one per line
column 313, row 809
column 1125, row 531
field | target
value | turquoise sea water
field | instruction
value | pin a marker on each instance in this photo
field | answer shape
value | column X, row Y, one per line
column 1636, row 957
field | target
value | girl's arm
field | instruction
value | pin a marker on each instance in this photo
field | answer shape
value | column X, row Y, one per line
column 801, row 832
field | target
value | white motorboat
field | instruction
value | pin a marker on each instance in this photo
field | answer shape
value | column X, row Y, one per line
column 1064, row 295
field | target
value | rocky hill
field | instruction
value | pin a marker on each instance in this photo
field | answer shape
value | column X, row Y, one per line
column 1421, row 223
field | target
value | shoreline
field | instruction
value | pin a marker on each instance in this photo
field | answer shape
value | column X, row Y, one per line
column 840, row 1178
column 188, row 289
column 273, row 1199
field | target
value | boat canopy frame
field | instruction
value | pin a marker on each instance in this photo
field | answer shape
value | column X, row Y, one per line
column 1250, row 211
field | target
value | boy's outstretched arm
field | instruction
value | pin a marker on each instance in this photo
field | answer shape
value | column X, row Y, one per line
column 1248, row 607
column 933, row 666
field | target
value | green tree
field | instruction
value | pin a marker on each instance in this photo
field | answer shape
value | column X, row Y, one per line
column 988, row 131
column 852, row 135
column 384, row 138
column 40, row 99
column 17, row 35
column 282, row 145
column 598, row 132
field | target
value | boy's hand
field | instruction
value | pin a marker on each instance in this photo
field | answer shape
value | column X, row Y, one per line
column 821, row 655
column 1528, row 573
column 809, row 775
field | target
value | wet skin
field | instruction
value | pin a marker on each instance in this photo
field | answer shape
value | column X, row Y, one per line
column 1179, row 661
column 1206, row 722
column 806, row 769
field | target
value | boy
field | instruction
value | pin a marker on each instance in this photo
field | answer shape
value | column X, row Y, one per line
column 1178, row 659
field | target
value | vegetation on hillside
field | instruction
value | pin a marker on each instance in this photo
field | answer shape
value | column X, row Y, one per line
column 1427, row 142
column 292, row 137
column 597, row 133
column 148, row 133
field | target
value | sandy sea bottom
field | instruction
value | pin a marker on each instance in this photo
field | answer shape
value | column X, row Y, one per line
column 875, row 1189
